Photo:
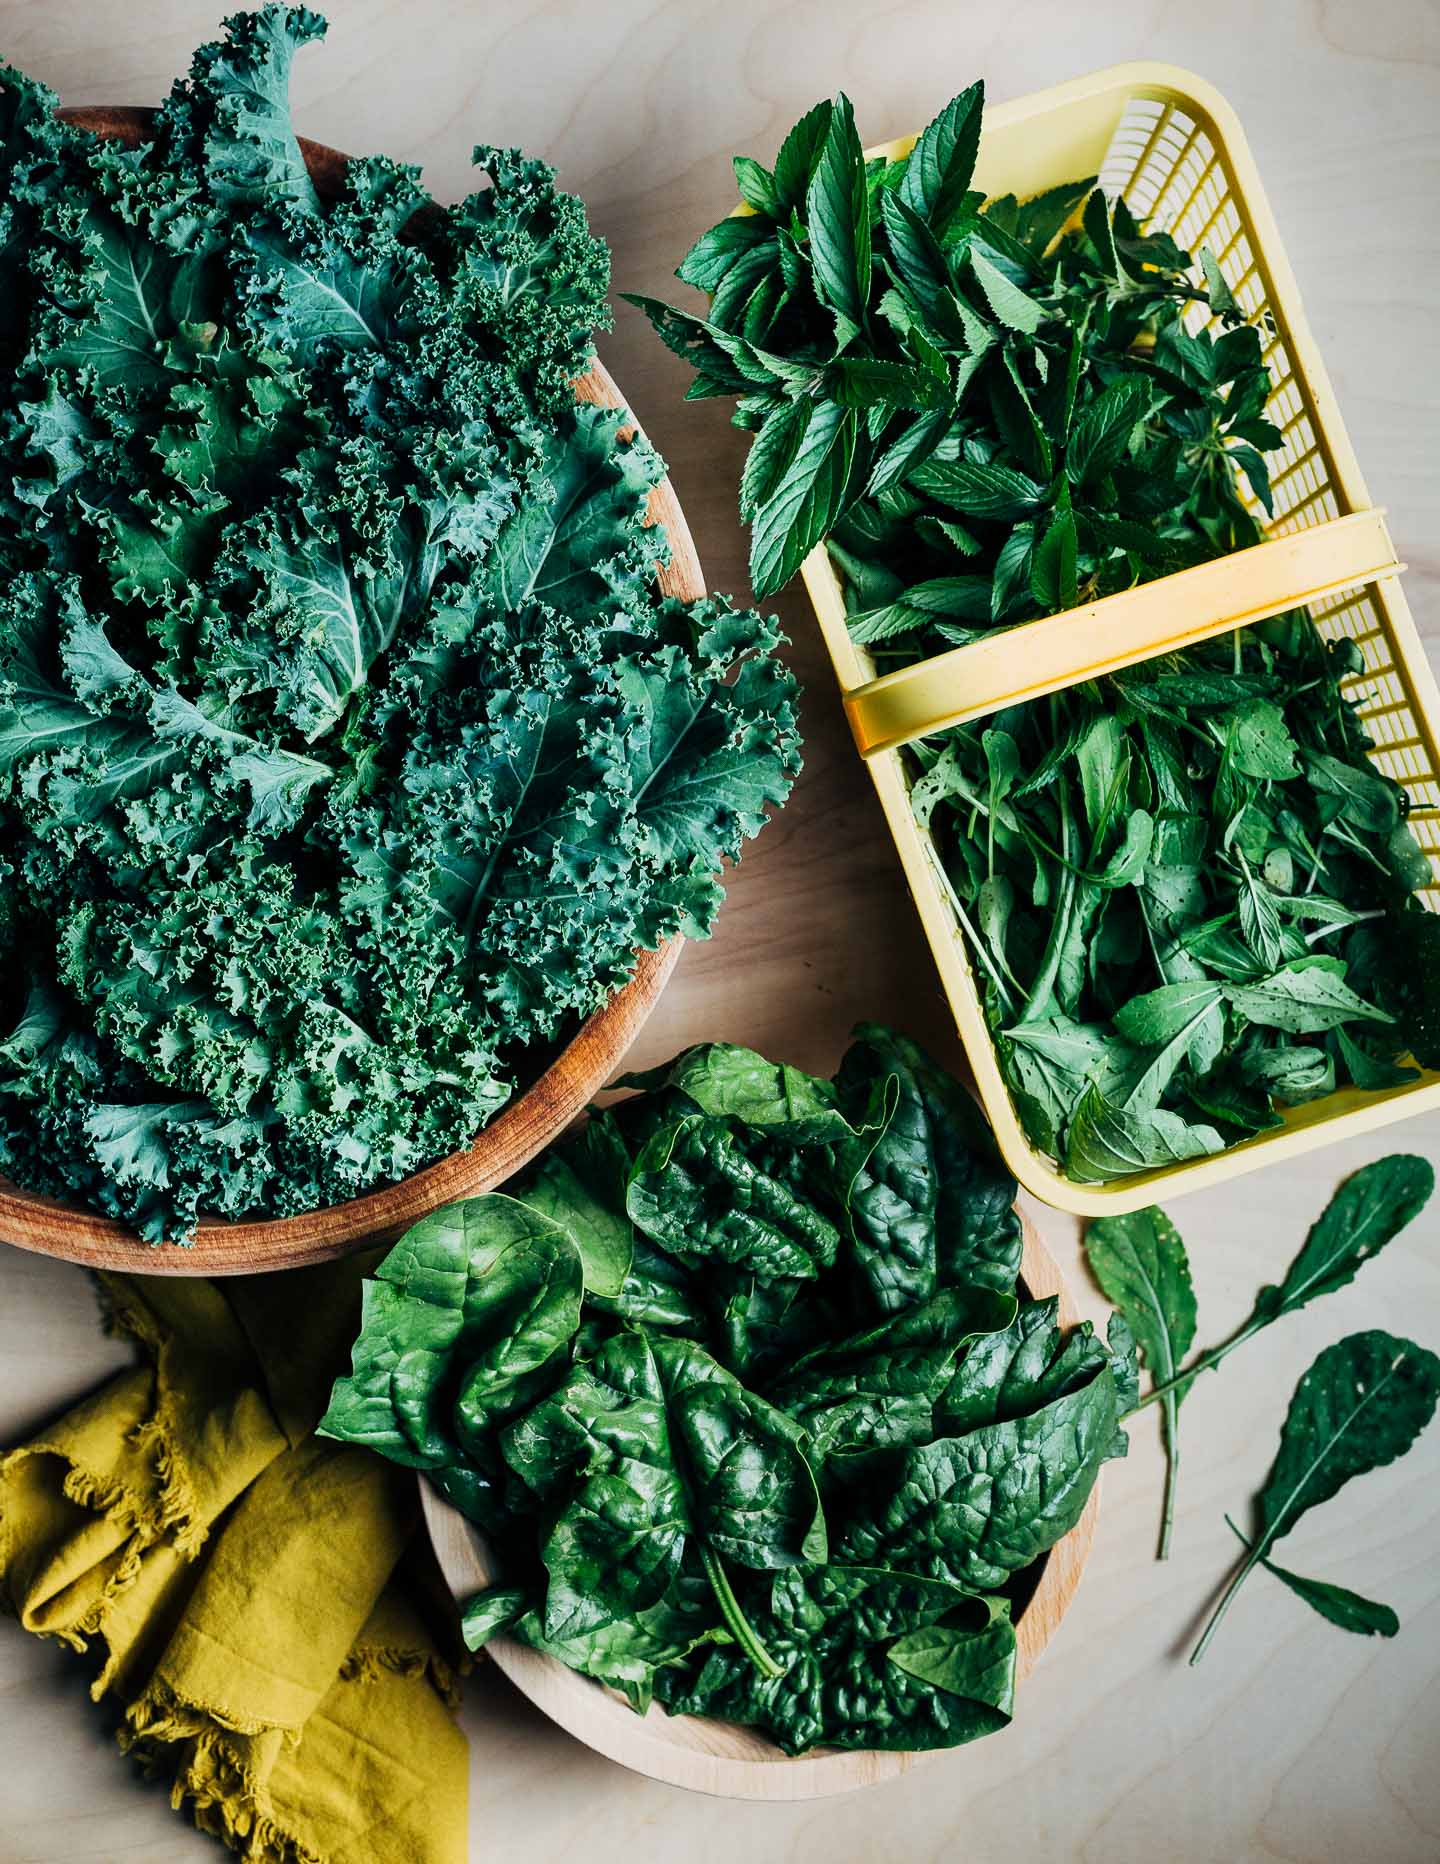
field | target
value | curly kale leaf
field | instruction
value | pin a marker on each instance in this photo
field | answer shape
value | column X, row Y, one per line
column 348, row 747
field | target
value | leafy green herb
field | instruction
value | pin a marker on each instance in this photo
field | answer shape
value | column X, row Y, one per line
column 1141, row 1266
column 1040, row 404
column 739, row 1386
column 1351, row 1611
column 1368, row 1211
column 348, row 749
column 1362, row 1404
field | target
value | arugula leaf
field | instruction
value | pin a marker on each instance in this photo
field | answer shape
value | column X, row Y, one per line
column 1369, row 1210
column 1361, row 1405
column 1349, row 1610
column 1110, row 1141
column 1304, row 996
column 1141, row 1266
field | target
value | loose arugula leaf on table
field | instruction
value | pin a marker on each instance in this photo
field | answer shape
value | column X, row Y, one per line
column 1360, row 1406
column 1368, row 1211
column 1351, row 1611
column 1141, row 1266
column 348, row 747
column 754, row 1318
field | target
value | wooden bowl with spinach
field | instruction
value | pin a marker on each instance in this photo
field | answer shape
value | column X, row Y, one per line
column 760, row 1445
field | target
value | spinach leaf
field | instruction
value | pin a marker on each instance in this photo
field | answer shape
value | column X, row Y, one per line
column 1018, row 1369
column 880, row 1388
column 977, row 1507
column 695, row 1190
column 688, row 1355
column 931, row 1206
column 464, row 1321
column 868, row 1659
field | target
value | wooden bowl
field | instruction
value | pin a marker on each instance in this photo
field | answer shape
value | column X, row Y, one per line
column 721, row 1757
column 564, row 1078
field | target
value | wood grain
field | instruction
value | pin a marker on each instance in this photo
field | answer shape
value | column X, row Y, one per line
column 565, row 1083
column 720, row 1758
column 1292, row 1744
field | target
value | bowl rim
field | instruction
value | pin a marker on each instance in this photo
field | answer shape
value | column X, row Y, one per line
column 590, row 1055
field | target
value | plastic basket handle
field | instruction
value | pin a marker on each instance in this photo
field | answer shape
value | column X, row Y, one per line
column 1156, row 618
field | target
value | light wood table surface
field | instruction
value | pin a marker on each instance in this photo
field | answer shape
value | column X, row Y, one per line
column 1293, row 1742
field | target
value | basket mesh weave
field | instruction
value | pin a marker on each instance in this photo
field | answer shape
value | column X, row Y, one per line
column 1169, row 172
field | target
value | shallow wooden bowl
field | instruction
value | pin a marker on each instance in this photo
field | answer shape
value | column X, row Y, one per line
column 561, row 1082
column 720, row 1757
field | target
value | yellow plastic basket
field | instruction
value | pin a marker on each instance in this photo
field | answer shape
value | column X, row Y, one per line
column 1174, row 149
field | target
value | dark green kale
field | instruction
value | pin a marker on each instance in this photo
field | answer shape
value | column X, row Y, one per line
column 347, row 746
column 738, row 1385
column 1187, row 894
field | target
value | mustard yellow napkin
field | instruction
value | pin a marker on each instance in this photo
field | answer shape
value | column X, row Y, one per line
column 242, row 1580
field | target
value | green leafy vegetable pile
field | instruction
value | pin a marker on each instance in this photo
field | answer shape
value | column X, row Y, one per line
column 1187, row 892
column 347, row 747
column 1361, row 1405
column 740, row 1387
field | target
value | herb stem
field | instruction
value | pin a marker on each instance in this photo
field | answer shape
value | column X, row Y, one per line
column 1205, row 1362
column 981, row 949
column 1044, row 980
column 739, row 1625
column 1172, row 1473
column 1247, row 1566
